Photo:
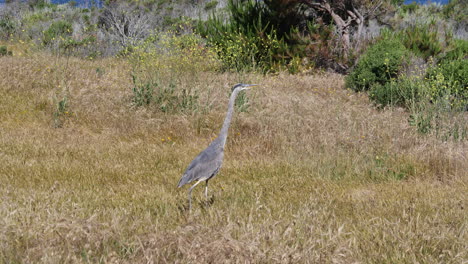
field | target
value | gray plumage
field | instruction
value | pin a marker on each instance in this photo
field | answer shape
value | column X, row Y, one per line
column 207, row 164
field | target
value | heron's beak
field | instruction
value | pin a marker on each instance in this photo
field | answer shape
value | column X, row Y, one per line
column 250, row 85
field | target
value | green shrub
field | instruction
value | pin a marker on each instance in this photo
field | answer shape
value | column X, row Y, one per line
column 40, row 4
column 171, row 54
column 422, row 40
column 36, row 18
column 410, row 8
column 245, row 42
column 8, row 26
column 245, row 52
column 5, row 52
column 378, row 65
column 56, row 30
column 142, row 93
column 457, row 51
column 210, row 5
column 448, row 83
column 456, row 9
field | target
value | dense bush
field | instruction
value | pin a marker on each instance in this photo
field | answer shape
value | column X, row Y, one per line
column 8, row 26
column 409, row 8
column 449, row 83
column 422, row 40
column 246, row 41
column 378, row 65
column 456, row 9
column 56, row 30
column 457, row 51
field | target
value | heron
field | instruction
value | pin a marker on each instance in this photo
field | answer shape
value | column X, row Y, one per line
column 207, row 164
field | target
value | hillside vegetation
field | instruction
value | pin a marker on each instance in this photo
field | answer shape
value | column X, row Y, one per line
column 320, row 167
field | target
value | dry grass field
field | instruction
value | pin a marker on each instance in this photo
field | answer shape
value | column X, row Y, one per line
column 313, row 173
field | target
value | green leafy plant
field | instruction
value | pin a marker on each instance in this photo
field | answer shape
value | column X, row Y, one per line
column 456, row 9
column 409, row 8
column 458, row 50
column 422, row 40
column 402, row 92
column 422, row 121
column 142, row 93
column 5, row 52
column 210, row 5
column 378, row 65
column 167, row 98
column 61, row 112
column 448, row 83
column 58, row 29
column 246, row 41
column 8, row 26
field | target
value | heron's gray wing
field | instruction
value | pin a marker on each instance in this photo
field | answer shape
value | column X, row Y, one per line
column 203, row 166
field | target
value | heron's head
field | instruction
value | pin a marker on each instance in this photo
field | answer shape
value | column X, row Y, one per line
column 242, row 86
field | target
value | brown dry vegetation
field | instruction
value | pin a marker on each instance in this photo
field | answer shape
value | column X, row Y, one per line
column 313, row 173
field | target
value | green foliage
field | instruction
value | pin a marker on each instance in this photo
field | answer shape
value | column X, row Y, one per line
column 40, row 4
column 210, row 5
column 422, row 120
column 318, row 45
column 171, row 54
column 36, row 17
column 378, row 65
column 246, row 41
column 8, row 26
column 167, row 98
column 247, row 52
column 402, row 92
column 456, row 9
column 142, row 93
column 434, row 117
column 397, row 2
column 448, row 83
column 433, row 98
column 5, row 52
column 69, row 44
column 56, row 30
column 457, row 51
column 423, row 40
column 432, row 104
column 409, row 8
column 61, row 112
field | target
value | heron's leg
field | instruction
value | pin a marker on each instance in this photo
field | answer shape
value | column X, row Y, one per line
column 206, row 190
column 190, row 194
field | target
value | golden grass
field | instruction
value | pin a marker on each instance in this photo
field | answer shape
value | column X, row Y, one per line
column 313, row 173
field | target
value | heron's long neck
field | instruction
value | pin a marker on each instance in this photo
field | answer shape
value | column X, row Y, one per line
column 227, row 120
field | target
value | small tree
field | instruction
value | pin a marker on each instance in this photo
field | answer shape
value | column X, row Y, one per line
column 347, row 14
column 126, row 23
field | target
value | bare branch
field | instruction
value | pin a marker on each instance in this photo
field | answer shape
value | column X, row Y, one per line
column 126, row 24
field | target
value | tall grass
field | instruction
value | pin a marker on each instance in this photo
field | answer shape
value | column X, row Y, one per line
column 313, row 173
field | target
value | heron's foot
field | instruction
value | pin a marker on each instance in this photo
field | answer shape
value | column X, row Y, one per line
column 209, row 201
column 184, row 207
